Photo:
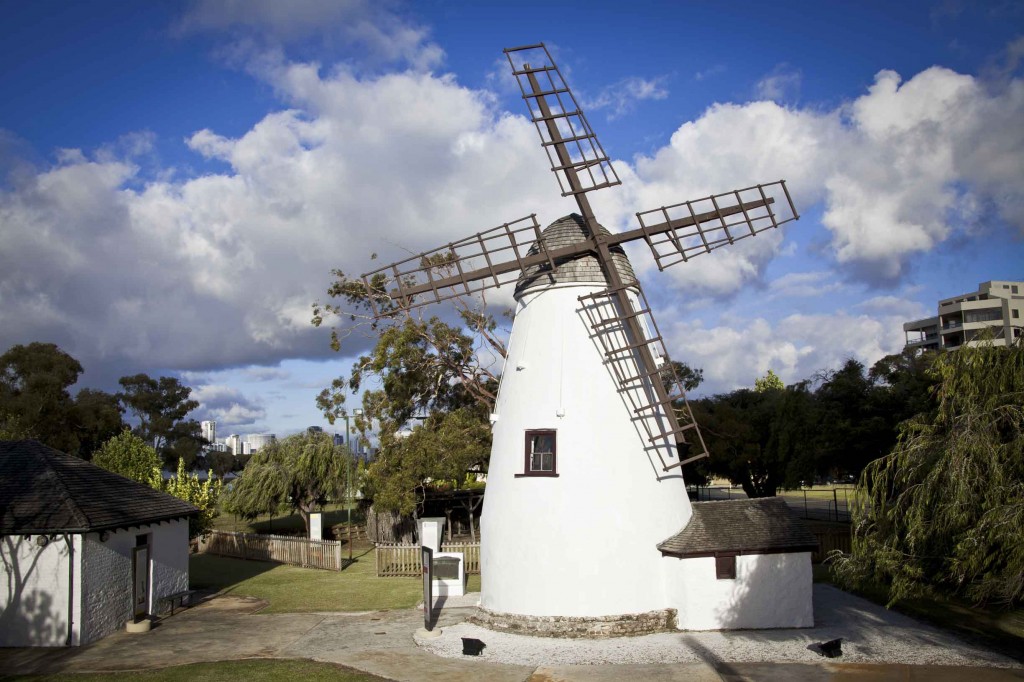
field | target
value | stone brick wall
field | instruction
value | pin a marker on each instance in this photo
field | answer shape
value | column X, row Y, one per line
column 106, row 584
column 107, row 574
column 600, row 627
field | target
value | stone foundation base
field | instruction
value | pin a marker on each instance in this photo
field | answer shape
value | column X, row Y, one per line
column 587, row 627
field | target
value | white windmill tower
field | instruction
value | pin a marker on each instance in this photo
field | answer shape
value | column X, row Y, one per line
column 591, row 427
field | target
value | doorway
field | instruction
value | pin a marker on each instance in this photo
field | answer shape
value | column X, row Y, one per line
column 140, row 577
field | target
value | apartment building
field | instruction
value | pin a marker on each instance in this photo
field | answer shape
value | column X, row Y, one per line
column 996, row 305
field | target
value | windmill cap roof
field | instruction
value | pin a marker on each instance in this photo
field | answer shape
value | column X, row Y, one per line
column 578, row 269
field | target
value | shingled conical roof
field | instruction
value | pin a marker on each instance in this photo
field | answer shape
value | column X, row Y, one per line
column 583, row 268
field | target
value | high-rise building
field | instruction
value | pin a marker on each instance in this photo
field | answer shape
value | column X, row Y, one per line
column 258, row 441
column 339, row 439
column 314, row 429
column 234, row 443
column 997, row 306
column 209, row 429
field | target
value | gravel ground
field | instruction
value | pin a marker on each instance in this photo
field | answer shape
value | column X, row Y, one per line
column 870, row 633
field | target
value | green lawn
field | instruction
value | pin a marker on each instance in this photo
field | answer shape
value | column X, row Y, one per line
column 251, row 670
column 291, row 589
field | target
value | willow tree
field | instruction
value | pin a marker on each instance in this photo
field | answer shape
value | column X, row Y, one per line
column 302, row 472
column 944, row 511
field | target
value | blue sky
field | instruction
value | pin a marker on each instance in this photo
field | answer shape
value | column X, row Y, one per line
column 177, row 179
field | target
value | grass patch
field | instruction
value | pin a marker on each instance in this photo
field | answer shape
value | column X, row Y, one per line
column 291, row 589
column 251, row 670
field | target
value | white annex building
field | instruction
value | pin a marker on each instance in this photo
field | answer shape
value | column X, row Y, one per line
column 82, row 550
column 583, row 531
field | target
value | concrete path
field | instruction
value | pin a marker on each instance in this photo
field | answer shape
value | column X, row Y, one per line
column 381, row 643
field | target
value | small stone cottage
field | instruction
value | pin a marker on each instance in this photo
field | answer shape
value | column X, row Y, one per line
column 82, row 550
column 741, row 564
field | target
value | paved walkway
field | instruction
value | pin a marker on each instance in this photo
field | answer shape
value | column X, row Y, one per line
column 381, row 643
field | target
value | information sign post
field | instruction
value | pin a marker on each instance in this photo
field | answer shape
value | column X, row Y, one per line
column 426, row 558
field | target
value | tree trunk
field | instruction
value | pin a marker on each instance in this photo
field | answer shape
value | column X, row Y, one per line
column 386, row 526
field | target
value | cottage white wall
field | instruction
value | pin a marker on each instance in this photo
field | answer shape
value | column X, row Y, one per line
column 34, row 599
column 168, row 561
column 107, row 574
column 769, row 591
column 584, row 543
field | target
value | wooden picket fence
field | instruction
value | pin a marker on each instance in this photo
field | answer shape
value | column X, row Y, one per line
column 837, row 537
column 297, row 551
column 396, row 560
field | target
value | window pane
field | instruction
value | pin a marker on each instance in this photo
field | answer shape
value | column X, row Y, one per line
column 548, row 461
column 544, row 443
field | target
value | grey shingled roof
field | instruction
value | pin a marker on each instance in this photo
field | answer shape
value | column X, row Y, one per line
column 759, row 526
column 567, row 231
column 43, row 490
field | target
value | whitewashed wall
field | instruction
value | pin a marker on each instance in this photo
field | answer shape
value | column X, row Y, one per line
column 770, row 591
column 584, row 543
column 107, row 574
column 34, row 600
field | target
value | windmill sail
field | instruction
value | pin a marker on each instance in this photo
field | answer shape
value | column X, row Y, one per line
column 570, row 143
column 677, row 233
column 662, row 419
column 619, row 317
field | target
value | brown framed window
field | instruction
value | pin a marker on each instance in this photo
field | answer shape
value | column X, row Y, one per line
column 725, row 567
column 540, row 459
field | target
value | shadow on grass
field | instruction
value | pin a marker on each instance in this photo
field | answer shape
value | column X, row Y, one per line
column 221, row 573
column 355, row 558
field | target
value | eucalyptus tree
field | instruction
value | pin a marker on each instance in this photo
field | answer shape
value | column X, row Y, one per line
column 432, row 385
column 34, row 397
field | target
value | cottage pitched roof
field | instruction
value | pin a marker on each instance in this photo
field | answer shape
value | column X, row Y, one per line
column 43, row 490
column 567, row 231
column 759, row 526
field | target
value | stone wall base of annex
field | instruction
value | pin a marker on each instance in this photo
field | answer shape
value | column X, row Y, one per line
column 581, row 627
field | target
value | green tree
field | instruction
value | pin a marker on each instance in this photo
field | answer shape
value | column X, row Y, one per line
column 424, row 366
column 689, row 377
column 441, row 451
column 34, row 382
column 943, row 511
column 761, row 440
column 11, row 428
column 204, row 495
column 908, row 385
column 303, row 472
column 769, row 382
column 128, row 455
column 161, row 406
column 220, row 462
column 98, row 418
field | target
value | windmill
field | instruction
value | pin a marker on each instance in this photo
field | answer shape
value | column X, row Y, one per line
column 591, row 418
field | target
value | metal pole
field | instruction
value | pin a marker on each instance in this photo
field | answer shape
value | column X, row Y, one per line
column 348, row 485
column 348, row 505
